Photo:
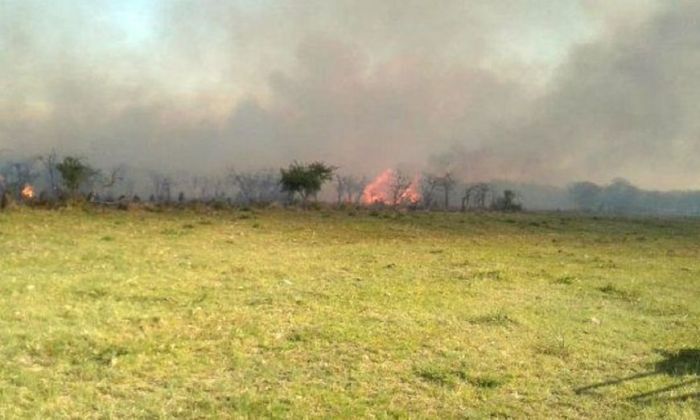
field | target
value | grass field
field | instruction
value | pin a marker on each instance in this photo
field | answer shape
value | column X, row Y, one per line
column 306, row 314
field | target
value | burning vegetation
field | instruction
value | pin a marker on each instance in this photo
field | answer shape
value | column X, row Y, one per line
column 27, row 192
column 53, row 181
column 392, row 188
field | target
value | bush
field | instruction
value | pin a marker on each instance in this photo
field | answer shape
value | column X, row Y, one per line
column 305, row 180
column 74, row 173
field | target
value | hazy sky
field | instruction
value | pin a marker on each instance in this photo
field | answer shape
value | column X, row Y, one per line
column 542, row 90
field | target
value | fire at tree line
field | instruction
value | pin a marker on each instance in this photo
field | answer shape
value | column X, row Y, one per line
column 51, row 180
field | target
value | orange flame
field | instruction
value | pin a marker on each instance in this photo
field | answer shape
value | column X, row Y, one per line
column 383, row 190
column 27, row 192
column 412, row 194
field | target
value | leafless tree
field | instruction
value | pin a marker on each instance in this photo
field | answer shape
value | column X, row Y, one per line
column 341, row 187
column 484, row 192
column 446, row 183
column 105, row 183
column 115, row 176
column 399, row 186
column 202, row 186
column 162, row 187
column 219, row 188
column 475, row 196
column 256, row 187
column 357, row 189
column 349, row 189
column 128, row 186
column 245, row 184
column 209, row 187
column 429, row 183
column 53, row 177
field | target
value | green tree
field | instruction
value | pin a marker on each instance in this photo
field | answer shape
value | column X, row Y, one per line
column 74, row 173
column 305, row 180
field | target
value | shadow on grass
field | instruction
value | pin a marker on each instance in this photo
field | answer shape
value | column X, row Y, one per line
column 677, row 363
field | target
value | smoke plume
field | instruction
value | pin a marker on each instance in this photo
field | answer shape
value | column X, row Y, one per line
column 524, row 90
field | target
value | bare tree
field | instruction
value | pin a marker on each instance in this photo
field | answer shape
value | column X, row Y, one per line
column 349, row 189
column 106, row 183
column 219, row 188
column 341, row 187
column 246, row 185
column 468, row 191
column 129, row 185
column 399, row 187
column 429, row 183
column 115, row 176
column 475, row 196
column 50, row 161
column 162, row 187
column 201, row 186
column 483, row 192
column 446, row 183
column 356, row 189
column 256, row 187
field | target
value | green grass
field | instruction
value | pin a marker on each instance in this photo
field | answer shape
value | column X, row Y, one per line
column 309, row 314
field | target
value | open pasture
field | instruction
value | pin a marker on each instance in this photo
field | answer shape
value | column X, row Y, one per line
column 329, row 313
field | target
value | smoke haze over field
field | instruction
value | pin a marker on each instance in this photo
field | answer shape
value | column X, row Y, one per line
column 546, row 91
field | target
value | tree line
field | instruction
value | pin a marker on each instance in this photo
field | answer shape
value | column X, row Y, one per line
column 56, row 179
column 622, row 197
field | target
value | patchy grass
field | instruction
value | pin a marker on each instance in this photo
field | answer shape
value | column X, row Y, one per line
column 330, row 314
column 496, row 318
column 610, row 290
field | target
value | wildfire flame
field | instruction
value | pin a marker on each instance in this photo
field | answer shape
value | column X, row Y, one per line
column 386, row 189
column 412, row 193
column 27, row 192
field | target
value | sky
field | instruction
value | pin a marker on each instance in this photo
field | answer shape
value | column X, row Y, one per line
column 549, row 91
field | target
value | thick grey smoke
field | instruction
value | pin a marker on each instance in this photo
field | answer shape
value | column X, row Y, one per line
column 528, row 90
column 625, row 105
